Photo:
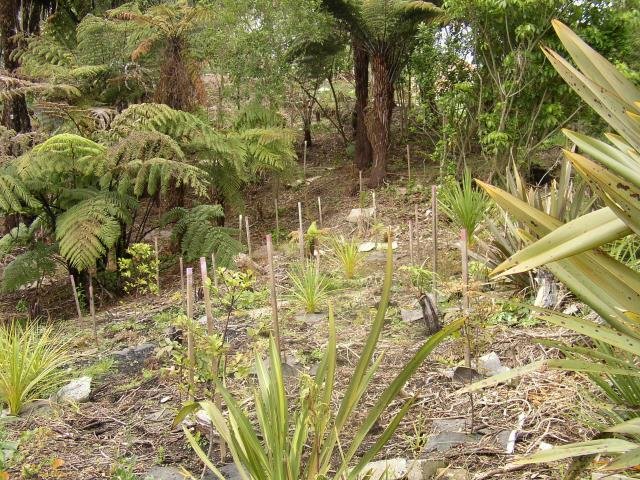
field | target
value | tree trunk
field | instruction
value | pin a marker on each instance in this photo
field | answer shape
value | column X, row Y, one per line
column 14, row 114
column 379, row 117
column 363, row 156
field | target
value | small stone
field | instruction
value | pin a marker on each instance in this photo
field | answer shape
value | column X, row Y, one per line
column 452, row 474
column 490, row 365
column 165, row 399
column 400, row 468
column 230, row 472
column 357, row 214
column 444, row 441
column 131, row 359
column 76, row 391
column 466, row 375
column 164, row 473
column 411, row 315
column 449, row 425
column 366, row 246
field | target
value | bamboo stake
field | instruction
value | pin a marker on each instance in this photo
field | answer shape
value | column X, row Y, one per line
column 274, row 299
column 300, row 232
column 190, row 342
column 409, row 163
column 214, row 273
column 465, row 295
column 320, row 211
column 75, row 297
column 304, row 163
column 181, row 276
column 240, row 228
column 316, row 254
column 434, row 229
column 411, row 256
column 277, row 220
column 246, row 225
column 92, row 311
column 375, row 216
column 361, row 189
column 155, row 243
column 416, row 232
column 205, row 295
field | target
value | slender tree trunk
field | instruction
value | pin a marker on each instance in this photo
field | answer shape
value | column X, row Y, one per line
column 363, row 155
column 14, row 114
column 379, row 116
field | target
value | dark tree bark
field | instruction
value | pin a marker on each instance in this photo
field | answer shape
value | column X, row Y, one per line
column 14, row 113
column 363, row 154
column 378, row 116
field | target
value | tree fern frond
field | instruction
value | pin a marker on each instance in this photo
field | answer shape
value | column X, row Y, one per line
column 12, row 86
column 86, row 230
column 256, row 115
column 14, row 195
column 64, row 154
column 269, row 149
column 154, row 175
column 29, row 267
column 198, row 233
column 17, row 237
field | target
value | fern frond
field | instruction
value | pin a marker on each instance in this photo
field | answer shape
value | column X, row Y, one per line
column 256, row 115
column 12, row 87
column 269, row 149
column 86, row 230
column 154, row 175
column 199, row 235
column 18, row 237
column 29, row 267
column 14, row 195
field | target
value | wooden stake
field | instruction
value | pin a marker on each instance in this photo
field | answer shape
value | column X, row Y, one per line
column 409, row 162
column 205, row 295
column 375, row 216
column 155, row 243
column 75, row 297
column 416, row 232
column 320, row 211
column 240, row 228
column 190, row 342
column 246, row 225
column 434, row 228
column 214, row 273
column 181, row 276
column 92, row 311
column 304, row 163
column 300, row 232
column 465, row 295
column 277, row 220
column 361, row 189
column 411, row 257
column 316, row 254
column 275, row 325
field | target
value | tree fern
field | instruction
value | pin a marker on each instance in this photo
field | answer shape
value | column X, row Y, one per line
column 14, row 195
column 198, row 233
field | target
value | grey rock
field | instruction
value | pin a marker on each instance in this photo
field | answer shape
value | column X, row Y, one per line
column 75, row 391
column 490, row 365
column 444, row 441
column 230, row 472
column 401, row 468
column 164, row 473
column 452, row 474
column 449, row 425
column 411, row 315
column 131, row 359
column 466, row 375
column 357, row 214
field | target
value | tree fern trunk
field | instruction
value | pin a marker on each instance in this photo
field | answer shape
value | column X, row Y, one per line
column 363, row 155
column 378, row 116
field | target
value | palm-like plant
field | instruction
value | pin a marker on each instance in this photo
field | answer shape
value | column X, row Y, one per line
column 348, row 255
column 571, row 251
column 300, row 443
column 463, row 204
column 385, row 30
column 308, row 287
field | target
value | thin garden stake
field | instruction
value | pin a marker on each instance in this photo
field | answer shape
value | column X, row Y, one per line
column 214, row 274
column 300, row 232
column 205, row 295
column 361, row 189
column 409, row 162
column 274, row 299
column 155, row 243
column 320, row 211
column 75, row 297
column 240, row 228
column 304, row 162
column 375, row 216
column 465, row 296
column 190, row 343
column 181, row 276
column 246, row 226
column 411, row 256
column 277, row 220
column 92, row 311
column 434, row 228
column 416, row 232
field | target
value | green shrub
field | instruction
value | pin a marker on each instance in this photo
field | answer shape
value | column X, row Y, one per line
column 139, row 269
column 348, row 255
column 308, row 287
